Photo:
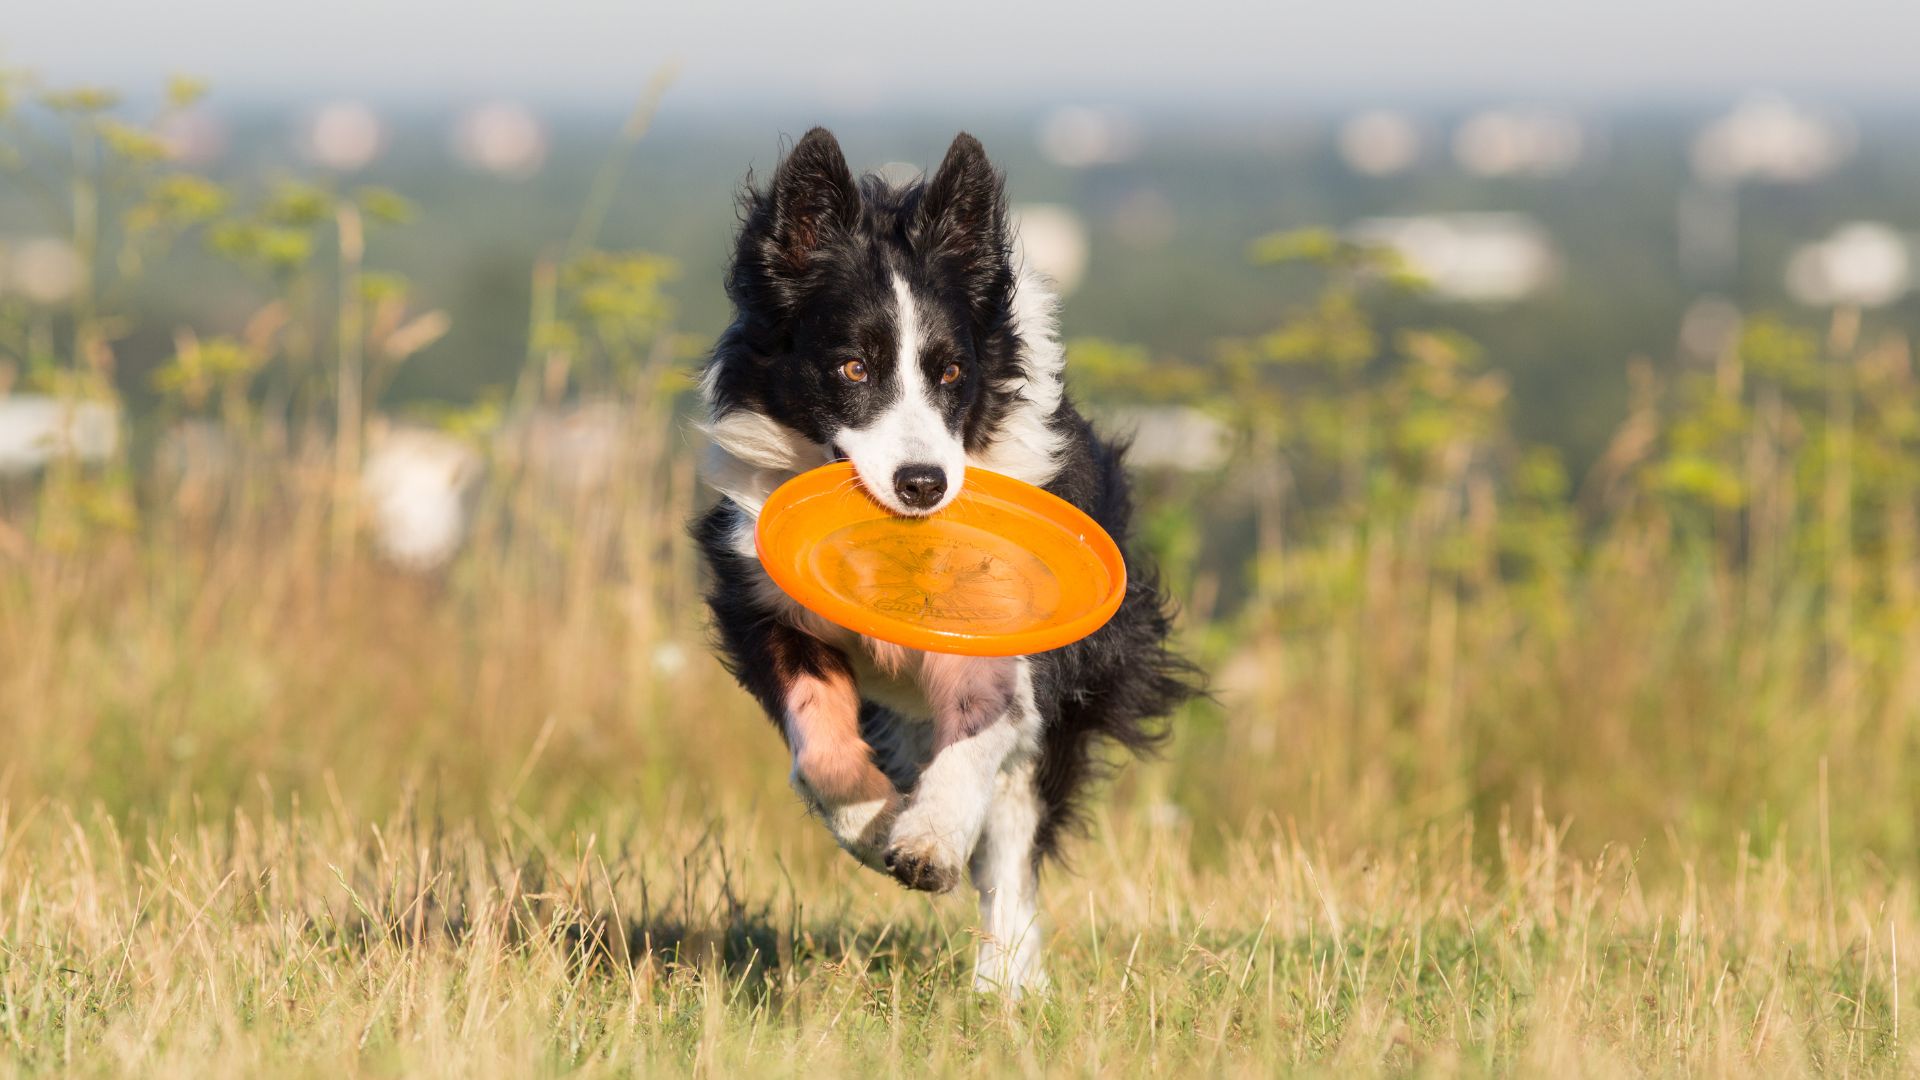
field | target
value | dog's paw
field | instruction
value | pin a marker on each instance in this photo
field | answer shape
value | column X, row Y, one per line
column 926, row 850
column 921, row 856
column 923, row 870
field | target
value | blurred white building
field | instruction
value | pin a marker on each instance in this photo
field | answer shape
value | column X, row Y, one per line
column 36, row 430
column 1769, row 138
column 416, row 483
column 501, row 137
column 1520, row 141
column 1053, row 240
column 1077, row 136
column 44, row 269
column 1468, row 257
column 1863, row 264
column 1177, row 437
column 1379, row 143
column 344, row 136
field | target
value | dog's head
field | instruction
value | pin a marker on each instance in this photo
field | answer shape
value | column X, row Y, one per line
column 876, row 321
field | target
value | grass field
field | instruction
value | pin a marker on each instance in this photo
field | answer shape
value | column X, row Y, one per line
column 1505, row 772
column 259, row 818
column 717, row 938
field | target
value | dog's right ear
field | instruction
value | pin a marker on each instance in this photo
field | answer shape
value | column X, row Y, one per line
column 812, row 200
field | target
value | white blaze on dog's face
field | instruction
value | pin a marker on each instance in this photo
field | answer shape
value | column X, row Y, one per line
column 908, row 456
column 882, row 324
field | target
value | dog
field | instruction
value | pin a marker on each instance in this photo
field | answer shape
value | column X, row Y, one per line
column 892, row 327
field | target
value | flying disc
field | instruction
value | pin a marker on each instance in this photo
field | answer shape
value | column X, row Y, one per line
column 1006, row 569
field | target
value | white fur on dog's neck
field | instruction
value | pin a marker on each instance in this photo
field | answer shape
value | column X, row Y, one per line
column 749, row 453
column 1026, row 447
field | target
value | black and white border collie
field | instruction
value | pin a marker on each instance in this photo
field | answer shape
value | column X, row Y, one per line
column 890, row 326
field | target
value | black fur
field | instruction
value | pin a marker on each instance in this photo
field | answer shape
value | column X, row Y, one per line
column 1120, row 683
column 811, row 283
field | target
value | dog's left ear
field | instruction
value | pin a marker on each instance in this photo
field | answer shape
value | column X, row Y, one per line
column 813, row 199
column 963, row 220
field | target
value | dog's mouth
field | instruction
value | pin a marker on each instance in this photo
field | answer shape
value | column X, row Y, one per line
column 917, row 490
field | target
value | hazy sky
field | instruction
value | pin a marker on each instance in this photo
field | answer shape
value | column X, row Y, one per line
column 844, row 53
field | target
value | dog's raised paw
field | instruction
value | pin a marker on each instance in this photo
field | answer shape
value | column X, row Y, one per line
column 921, row 869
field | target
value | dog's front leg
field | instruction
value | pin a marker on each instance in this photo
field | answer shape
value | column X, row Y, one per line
column 807, row 687
column 1006, row 871
column 833, row 767
column 984, row 721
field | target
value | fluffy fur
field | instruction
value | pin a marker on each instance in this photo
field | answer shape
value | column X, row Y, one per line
column 891, row 326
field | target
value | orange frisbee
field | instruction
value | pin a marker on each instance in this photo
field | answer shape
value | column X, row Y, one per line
column 1006, row 569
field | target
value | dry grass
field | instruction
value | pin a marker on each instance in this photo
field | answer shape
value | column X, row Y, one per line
column 369, row 824
column 719, row 940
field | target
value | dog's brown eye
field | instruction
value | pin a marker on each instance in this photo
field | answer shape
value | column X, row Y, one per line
column 854, row 370
column 951, row 375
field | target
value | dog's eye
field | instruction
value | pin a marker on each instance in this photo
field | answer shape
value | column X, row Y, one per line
column 951, row 375
column 854, row 370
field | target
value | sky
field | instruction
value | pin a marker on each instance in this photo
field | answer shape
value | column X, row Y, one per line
column 855, row 55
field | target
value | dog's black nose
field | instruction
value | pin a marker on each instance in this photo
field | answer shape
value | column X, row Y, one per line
column 920, row 486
